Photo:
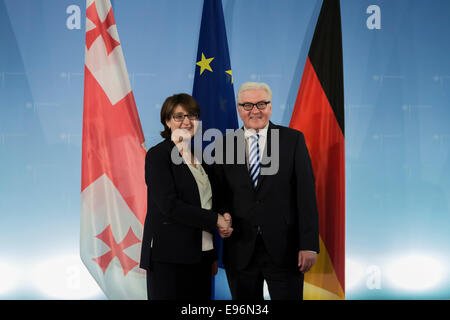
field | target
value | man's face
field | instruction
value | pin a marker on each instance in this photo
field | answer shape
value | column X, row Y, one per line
column 255, row 118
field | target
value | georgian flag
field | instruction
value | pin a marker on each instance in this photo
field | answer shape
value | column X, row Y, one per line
column 113, row 190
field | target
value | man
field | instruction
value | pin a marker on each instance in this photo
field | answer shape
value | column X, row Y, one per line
column 274, row 212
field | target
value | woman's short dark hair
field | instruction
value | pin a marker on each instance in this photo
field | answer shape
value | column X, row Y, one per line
column 183, row 99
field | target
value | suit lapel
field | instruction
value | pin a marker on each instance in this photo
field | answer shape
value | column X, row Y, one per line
column 243, row 167
column 264, row 159
column 184, row 174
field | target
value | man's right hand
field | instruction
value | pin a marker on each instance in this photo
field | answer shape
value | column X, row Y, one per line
column 224, row 225
column 227, row 218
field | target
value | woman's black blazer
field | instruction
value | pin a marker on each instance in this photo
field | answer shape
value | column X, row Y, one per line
column 175, row 219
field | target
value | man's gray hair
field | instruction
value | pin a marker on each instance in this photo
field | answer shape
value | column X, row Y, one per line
column 255, row 86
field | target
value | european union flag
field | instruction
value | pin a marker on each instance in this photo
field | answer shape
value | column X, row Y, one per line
column 213, row 90
column 213, row 82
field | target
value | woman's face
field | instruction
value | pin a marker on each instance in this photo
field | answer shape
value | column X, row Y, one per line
column 180, row 120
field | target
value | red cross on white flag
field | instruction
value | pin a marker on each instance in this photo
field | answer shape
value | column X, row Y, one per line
column 113, row 190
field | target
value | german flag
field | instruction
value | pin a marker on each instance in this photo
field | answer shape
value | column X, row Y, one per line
column 319, row 114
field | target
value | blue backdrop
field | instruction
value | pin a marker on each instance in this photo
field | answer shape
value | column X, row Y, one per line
column 397, row 113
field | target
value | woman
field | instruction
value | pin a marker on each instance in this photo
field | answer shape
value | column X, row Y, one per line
column 177, row 247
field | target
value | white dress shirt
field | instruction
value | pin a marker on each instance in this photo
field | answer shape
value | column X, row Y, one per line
column 204, row 189
column 261, row 142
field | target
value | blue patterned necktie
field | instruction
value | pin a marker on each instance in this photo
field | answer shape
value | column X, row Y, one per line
column 254, row 159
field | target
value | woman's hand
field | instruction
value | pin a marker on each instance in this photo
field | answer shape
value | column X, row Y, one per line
column 224, row 225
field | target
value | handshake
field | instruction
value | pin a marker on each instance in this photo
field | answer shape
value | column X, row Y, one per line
column 224, row 225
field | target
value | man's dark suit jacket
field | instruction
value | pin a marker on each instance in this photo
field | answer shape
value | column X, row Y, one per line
column 175, row 219
column 283, row 205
